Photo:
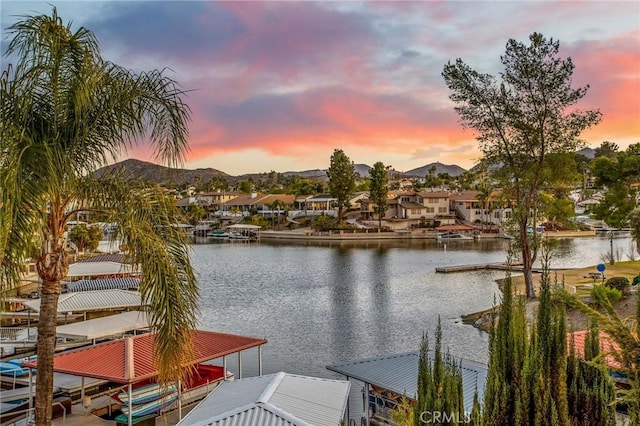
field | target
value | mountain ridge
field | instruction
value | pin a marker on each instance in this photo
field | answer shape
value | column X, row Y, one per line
column 144, row 170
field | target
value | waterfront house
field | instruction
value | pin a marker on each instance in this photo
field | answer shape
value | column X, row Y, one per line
column 260, row 203
column 468, row 206
column 320, row 202
column 279, row 398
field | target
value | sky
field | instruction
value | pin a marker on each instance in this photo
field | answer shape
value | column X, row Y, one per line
column 278, row 85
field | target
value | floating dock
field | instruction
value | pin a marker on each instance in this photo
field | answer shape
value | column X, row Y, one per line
column 478, row 267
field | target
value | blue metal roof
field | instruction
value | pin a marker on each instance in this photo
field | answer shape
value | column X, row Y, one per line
column 399, row 373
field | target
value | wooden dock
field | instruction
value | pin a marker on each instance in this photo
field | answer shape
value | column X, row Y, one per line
column 478, row 267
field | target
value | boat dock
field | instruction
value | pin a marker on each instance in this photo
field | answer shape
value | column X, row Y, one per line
column 501, row 266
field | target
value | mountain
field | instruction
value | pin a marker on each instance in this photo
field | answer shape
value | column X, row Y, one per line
column 590, row 153
column 452, row 170
column 363, row 170
column 136, row 169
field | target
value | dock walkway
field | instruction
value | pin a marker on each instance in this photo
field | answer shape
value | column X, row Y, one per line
column 500, row 266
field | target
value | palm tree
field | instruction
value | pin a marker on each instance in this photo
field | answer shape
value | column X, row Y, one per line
column 64, row 112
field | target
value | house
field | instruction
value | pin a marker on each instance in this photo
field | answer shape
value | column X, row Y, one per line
column 260, row 203
column 412, row 207
column 320, row 202
column 468, row 206
column 214, row 200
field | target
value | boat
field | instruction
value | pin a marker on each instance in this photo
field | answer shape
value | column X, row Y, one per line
column 152, row 407
column 218, row 233
column 146, row 393
column 238, row 236
column 12, row 368
column 453, row 236
column 151, row 398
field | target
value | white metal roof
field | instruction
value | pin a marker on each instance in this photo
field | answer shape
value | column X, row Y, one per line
column 104, row 327
column 124, row 283
column 244, row 226
column 276, row 399
column 95, row 300
column 85, row 269
column 399, row 373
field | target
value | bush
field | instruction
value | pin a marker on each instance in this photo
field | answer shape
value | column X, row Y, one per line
column 612, row 294
column 619, row 283
column 324, row 223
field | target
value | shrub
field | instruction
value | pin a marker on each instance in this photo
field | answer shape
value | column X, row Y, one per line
column 619, row 283
column 324, row 223
column 612, row 294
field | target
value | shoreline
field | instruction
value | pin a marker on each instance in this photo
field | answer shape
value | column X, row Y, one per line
column 579, row 281
column 306, row 234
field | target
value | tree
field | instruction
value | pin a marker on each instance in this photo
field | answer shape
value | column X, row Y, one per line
column 64, row 112
column 86, row 237
column 590, row 391
column 634, row 222
column 439, row 383
column 246, row 186
column 342, row 179
column 379, row 190
column 195, row 213
column 625, row 332
column 607, row 149
column 520, row 120
column 619, row 175
column 504, row 392
column 431, row 180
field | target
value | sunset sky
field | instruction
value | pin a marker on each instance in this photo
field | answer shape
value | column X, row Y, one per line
column 278, row 85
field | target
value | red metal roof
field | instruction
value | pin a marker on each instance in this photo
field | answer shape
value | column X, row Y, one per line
column 109, row 360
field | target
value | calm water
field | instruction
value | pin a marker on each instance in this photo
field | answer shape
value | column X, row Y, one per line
column 322, row 304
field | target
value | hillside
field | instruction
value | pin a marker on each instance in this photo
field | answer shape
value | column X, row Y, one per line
column 136, row 169
column 451, row 169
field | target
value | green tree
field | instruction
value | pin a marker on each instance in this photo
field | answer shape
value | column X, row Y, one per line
column 195, row 213
column 379, row 190
column 522, row 119
column 342, row 179
column 634, row 223
column 607, row 149
column 64, row 112
column 431, row 180
column 526, row 381
column 590, row 390
column 439, row 383
column 504, row 395
column 620, row 176
column 86, row 237
column 545, row 369
column 625, row 332
column 246, row 186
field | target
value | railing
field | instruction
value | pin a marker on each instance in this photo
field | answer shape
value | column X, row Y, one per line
column 29, row 416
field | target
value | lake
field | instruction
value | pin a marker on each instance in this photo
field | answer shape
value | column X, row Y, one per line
column 325, row 303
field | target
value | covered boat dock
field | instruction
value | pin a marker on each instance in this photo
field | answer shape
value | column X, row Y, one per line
column 131, row 360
